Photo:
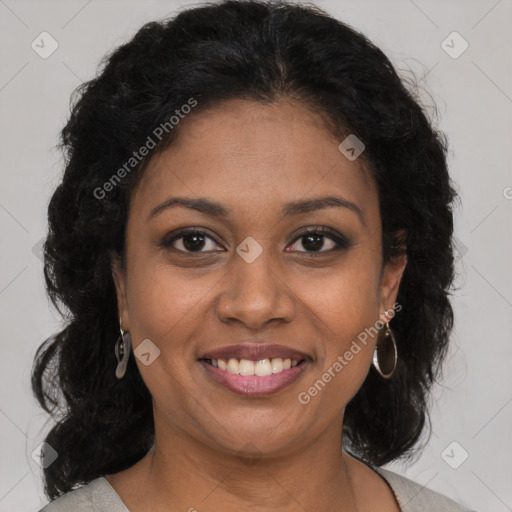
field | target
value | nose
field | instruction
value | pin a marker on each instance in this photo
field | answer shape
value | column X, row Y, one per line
column 255, row 293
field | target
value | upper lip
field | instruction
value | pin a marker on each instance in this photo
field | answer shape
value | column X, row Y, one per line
column 255, row 351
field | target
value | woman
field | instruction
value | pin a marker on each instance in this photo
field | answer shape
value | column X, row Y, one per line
column 253, row 240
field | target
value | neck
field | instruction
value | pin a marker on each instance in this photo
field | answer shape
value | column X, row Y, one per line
column 189, row 475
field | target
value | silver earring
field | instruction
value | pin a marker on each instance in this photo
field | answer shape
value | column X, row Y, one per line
column 122, row 350
column 385, row 355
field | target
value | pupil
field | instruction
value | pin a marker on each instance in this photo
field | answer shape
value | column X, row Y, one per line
column 196, row 244
column 312, row 244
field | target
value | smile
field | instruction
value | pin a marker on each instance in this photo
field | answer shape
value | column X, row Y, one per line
column 255, row 378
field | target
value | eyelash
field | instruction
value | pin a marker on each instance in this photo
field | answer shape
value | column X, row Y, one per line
column 341, row 241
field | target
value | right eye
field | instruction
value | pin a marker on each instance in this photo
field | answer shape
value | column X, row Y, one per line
column 189, row 240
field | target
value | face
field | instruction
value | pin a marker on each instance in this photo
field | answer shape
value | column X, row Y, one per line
column 255, row 269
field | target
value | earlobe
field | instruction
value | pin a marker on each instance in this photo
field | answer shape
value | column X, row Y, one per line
column 391, row 278
column 118, row 275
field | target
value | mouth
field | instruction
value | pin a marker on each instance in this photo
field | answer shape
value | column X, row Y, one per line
column 261, row 367
column 259, row 377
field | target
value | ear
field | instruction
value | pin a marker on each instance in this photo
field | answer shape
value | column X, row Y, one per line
column 390, row 283
column 119, row 276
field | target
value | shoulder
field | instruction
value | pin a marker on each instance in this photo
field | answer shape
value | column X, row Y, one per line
column 414, row 497
column 96, row 496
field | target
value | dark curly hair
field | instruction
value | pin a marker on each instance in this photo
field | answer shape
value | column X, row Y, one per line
column 259, row 51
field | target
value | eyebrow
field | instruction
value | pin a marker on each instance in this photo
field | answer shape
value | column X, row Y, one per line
column 214, row 209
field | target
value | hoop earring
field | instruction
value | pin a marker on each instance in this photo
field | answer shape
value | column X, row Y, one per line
column 385, row 355
column 122, row 350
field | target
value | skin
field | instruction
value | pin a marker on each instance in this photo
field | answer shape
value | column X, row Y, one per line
column 252, row 158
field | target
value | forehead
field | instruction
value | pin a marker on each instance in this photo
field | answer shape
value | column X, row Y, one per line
column 251, row 155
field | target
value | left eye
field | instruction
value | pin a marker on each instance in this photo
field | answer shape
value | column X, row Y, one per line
column 314, row 240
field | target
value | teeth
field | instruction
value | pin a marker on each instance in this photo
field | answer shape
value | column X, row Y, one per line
column 246, row 367
column 232, row 366
column 261, row 368
column 277, row 365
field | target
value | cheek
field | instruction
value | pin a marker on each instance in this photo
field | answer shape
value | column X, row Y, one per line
column 348, row 301
column 346, row 306
column 164, row 306
column 168, row 310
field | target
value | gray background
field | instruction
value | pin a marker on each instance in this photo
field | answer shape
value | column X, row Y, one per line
column 472, row 407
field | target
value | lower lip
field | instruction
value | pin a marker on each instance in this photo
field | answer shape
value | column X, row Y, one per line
column 253, row 385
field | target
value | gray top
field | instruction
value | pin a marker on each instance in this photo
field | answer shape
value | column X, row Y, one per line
column 100, row 496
